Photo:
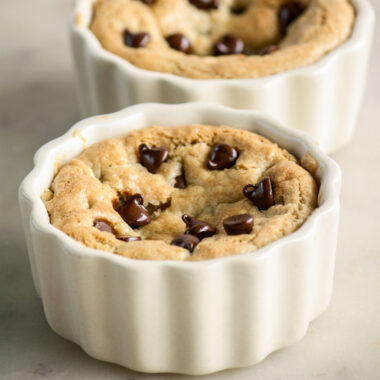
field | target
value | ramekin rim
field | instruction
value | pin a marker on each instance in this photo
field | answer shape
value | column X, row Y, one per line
column 330, row 183
column 364, row 13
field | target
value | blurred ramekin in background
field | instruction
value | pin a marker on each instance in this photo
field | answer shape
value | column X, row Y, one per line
column 322, row 99
column 183, row 317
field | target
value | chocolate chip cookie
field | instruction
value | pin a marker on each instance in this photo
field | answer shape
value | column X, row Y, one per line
column 222, row 38
column 191, row 192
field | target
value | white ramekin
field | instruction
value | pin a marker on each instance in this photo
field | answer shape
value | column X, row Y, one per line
column 322, row 99
column 183, row 317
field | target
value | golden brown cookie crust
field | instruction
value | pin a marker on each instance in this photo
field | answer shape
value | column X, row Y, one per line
column 323, row 26
column 85, row 188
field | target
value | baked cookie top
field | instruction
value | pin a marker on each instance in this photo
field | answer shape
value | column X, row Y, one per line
column 208, row 39
column 191, row 192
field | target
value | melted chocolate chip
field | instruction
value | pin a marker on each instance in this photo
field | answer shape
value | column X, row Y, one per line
column 197, row 227
column 288, row 13
column 238, row 9
column 152, row 158
column 229, row 44
column 147, row 2
column 205, row 4
column 152, row 208
column 127, row 239
column 268, row 50
column 104, row 226
column 180, row 181
column 222, row 156
column 188, row 242
column 179, row 42
column 238, row 224
column 133, row 211
column 135, row 40
column 261, row 195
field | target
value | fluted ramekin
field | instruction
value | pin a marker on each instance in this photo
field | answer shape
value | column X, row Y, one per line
column 322, row 99
column 183, row 317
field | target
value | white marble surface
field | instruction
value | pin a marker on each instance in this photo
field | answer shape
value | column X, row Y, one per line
column 37, row 103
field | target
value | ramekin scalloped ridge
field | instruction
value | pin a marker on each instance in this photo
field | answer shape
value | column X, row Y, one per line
column 322, row 98
column 182, row 317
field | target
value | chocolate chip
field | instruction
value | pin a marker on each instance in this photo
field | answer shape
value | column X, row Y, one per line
column 238, row 224
column 268, row 49
column 229, row 44
column 261, row 195
column 127, row 239
column 288, row 13
column 197, row 227
column 180, row 181
column 205, row 4
column 133, row 211
column 188, row 242
column 135, row 40
column 104, row 226
column 152, row 208
column 238, row 9
column 222, row 156
column 152, row 158
column 147, row 2
column 179, row 42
